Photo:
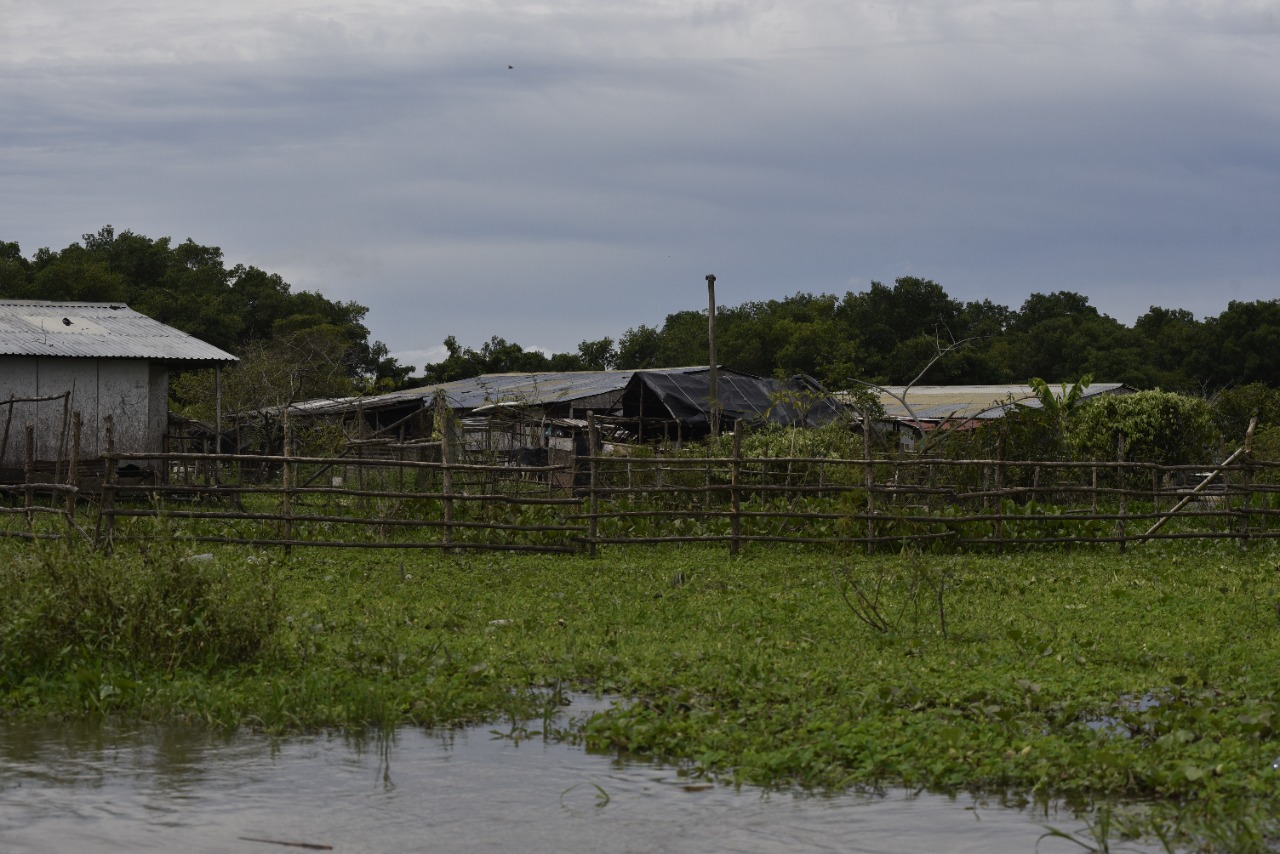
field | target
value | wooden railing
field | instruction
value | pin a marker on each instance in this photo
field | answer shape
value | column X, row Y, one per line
column 861, row 504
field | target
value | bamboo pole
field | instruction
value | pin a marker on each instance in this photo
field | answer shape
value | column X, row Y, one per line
column 106, row 518
column 998, row 524
column 714, row 413
column 443, row 418
column 286, row 480
column 8, row 420
column 64, row 434
column 217, row 420
column 28, row 474
column 735, row 506
column 1191, row 496
column 73, row 465
column 1120, row 526
column 593, row 495
column 1246, row 480
column 868, row 480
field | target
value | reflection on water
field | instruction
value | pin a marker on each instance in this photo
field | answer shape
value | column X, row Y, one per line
column 85, row 788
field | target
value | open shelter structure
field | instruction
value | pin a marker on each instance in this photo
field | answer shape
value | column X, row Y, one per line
column 671, row 402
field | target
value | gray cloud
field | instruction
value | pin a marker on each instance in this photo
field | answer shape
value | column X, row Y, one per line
column 384, row 152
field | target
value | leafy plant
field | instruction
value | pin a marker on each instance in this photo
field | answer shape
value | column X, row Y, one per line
column 162, row 608
column 1158, row 427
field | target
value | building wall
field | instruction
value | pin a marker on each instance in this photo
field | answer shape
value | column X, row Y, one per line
column 125, row 389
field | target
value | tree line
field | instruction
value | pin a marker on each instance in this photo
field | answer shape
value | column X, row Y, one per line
column 293, row 344
column 300, row 344
column 887, row 333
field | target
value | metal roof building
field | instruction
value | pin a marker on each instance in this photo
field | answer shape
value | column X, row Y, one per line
column 103, row 361
column 932, row 404
column 571, row 391
column 97, row 330
column 680, row 395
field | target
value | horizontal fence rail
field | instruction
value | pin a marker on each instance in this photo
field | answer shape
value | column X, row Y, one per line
column 640, row 496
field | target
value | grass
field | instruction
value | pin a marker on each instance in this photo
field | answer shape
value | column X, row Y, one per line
column 1140, row 688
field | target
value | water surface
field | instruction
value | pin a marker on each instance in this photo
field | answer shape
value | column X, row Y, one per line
column 88, row 788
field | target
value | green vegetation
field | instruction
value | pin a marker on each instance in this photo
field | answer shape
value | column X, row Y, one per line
column 1142, row 686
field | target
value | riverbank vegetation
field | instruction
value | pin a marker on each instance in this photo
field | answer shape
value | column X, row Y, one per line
column 1140, row 686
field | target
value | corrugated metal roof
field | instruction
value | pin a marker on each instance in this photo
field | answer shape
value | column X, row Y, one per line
column 965, row 402
column 96, row 330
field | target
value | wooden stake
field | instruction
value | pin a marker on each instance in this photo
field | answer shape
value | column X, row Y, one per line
column 735, row 506
column 593, row 497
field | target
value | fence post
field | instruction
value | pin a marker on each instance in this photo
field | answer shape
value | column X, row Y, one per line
column 1246, row 480
column 998, row 524
column 1155, row 488
column 286, row 482
column 8, row 421
column 106, row 518
column 217, row 426
column 28, row 474
column 868, row 480
column 73, row 462
column 735, row 505
column 446, row 474
column 63, row 434
column 1120, row 520
column 593, row 497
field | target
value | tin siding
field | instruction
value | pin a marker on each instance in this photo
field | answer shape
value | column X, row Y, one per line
column 123, row 389
column 158, row 414
column 57, row 376
column 18, row 378
column 134, row 392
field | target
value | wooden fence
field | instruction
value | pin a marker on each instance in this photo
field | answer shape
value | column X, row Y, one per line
column 410, row 502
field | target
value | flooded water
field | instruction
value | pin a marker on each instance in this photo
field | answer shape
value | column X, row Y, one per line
column 74, row 788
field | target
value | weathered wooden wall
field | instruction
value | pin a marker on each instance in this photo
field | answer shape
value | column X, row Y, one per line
column 133, row 392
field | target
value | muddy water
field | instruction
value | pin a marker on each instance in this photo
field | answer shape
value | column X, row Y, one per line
column 79, row 788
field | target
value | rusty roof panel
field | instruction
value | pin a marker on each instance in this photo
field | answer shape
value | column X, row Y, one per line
column 96, row 330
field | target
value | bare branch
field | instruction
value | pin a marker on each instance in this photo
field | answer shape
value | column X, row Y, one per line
column 942, row 351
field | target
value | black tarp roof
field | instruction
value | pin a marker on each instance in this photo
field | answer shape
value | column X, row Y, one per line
column 685, row 397
column 673, row 394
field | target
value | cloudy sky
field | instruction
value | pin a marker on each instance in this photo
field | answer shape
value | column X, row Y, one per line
column 565, row 170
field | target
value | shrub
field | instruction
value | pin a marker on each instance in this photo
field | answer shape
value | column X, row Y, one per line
column 159, row 608
column 1158, row 426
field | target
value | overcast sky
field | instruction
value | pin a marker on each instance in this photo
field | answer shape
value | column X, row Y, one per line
column 384, row 151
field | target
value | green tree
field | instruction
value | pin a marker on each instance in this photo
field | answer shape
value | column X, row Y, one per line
column 1174, row 344
column 1233, row 407
column 188, row 286
column 1243, row 345
column 638, row 348
column 14, row 269
column 598, row 355
column 496, row 356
